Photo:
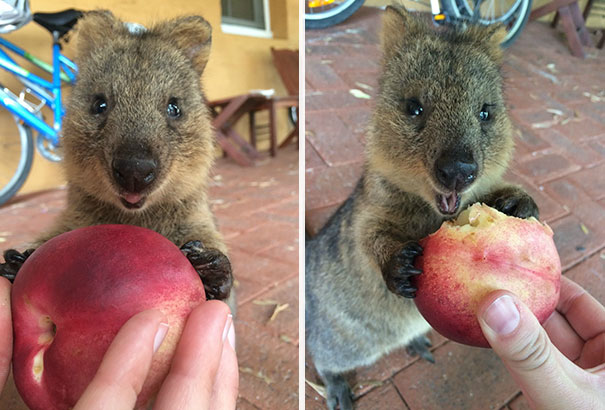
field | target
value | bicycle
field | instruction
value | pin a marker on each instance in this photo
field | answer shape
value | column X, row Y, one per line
column 38, row 92
column 513, row 14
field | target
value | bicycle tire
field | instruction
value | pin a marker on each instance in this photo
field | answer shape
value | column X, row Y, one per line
column 451, row 8
column 25, row 164
column 327, row 19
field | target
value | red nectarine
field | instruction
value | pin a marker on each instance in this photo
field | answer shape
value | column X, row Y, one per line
column 74, row 293
column 481, row 251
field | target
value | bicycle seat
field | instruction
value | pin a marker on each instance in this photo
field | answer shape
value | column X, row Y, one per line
column 61, row 21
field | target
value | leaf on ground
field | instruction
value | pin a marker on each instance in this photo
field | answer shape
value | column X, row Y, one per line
column 288, row 339
column 369, row 383
column 321, row 390
column 265, row 302
column 235, row 283
column 2, row 240
column 359, row 94
column 584, row 229
column 554, row 111
column 278, row 309
column 364, row 86
column 258, row 374
column 551, row 67
column 603, row 256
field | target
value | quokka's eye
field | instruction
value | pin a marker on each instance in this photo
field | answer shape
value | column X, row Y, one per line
column 484, row 114
column 413, row 107
column 99, row 105
column 172, row 109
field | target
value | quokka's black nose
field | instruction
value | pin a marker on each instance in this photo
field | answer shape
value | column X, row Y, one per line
column 456, row 170
column 134, row 174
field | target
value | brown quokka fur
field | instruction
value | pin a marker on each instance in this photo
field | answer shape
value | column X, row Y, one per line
column 138, row 142
column 439, row 140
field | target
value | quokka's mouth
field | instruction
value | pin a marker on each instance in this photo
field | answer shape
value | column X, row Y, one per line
column 448, row 203
column 132, row 201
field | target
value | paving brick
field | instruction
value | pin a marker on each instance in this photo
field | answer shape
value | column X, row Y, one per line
column 331, row 138
column 549, row 208
column 316, row 218
column 268, row 369
column 528, row 139
column 592, row 181
column 547, row 167
column 313, row 401
column 574, row 243
column 384, row 397
column 265, row 236
column 581, row 154
column 330, row 186
column 323, row 77
column 582, row 129
column 257, row 313
column 461, row 378
column 591, row 275
column 357, row 120
column 565, row 192
column 256, row 274
column 312, row 158
column 332, row 100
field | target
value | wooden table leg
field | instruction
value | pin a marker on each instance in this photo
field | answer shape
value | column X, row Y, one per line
column 233, row 151
column 578, row 20
column 252, row 120
column 272, row 129
column 570, row 31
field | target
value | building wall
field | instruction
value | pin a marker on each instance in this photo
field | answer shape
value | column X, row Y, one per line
column 237, row 63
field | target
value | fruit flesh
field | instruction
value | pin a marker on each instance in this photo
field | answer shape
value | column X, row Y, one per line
column 75, row 292
column 480, row 252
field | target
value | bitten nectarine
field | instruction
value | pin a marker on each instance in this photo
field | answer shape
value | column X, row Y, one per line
column 481, row 251
column 74, row 293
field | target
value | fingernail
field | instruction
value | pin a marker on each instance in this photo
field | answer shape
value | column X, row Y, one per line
column 502, row 315
column 160, row 335
column 228, row 332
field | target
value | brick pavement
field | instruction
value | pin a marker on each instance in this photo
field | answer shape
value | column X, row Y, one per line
column 257, row 212
column 557, row 105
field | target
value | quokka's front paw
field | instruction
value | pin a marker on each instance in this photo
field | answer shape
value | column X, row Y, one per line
column 517, row 203
column 13, row 260
column 213, row 267
column 400, row 269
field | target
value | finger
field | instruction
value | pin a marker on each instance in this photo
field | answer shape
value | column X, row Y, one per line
column 226, row 384
column 516, row 336
column 125, row 365
column 583, row 312
column 190, row 382
column 6, row 331
column 563, row 336
column 593, row 353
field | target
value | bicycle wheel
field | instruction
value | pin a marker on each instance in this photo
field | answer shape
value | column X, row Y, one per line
column 16, row 155
column 322, row 14
column 513, row 14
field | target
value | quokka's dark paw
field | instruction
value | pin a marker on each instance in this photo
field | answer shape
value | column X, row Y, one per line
column 213, row 267
column 13, row 260
column 400, row 269
column 420, row 347
column 517, row 204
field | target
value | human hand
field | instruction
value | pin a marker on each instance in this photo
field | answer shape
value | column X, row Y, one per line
column 560, row 365
column 203, row 374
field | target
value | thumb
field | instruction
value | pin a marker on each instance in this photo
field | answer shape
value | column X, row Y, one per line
column 519, row 340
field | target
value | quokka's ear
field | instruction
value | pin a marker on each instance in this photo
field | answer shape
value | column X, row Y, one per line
column 493, row 37
column 486, row 39
column 192, row 35
column 93, row 29
column 397, row 25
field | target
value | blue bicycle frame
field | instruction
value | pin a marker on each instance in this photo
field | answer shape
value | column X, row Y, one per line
column 62, row 69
